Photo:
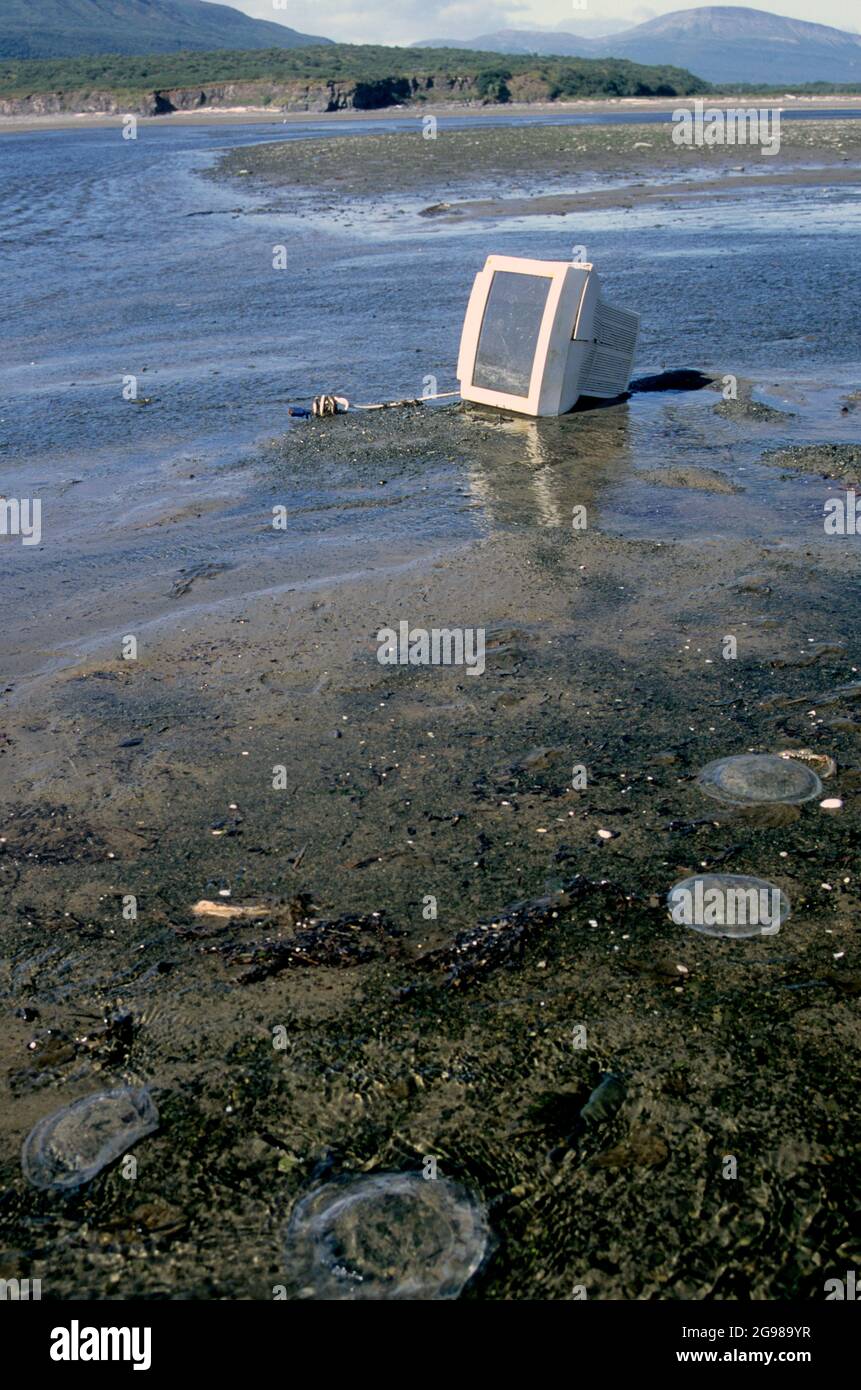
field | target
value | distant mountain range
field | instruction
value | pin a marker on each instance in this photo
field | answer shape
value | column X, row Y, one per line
column 552, row 42
column 722, row 43
column 72, row 28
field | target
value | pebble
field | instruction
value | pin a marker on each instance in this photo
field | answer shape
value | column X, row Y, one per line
column 206, row 908
column 605, row 1100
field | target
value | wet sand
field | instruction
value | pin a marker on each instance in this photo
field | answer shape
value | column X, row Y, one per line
column 539, row 170
column 254, row 751
column 561, row 204
column 154, row 778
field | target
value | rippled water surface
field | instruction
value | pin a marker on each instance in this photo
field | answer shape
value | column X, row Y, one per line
column 577, row 1062
column 120, row 259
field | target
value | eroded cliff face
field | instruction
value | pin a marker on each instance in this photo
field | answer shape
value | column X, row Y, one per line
column 288, row 96
column 54, row 103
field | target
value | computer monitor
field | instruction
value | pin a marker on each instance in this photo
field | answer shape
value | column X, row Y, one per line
column 537, row 335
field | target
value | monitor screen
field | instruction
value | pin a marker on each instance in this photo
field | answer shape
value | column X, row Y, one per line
column 509, row 332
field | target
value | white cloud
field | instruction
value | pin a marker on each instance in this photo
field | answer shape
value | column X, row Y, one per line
column 392, row 21
column 403, row 21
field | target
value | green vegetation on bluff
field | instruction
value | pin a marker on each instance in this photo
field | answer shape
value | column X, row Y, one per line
column 809, row 89
column 494, row 77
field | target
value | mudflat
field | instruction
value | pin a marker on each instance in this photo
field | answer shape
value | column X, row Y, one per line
column 366, row 819
column 540, row 168
column 449, row 926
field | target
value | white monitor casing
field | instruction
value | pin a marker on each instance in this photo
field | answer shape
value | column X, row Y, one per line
column 584, row 346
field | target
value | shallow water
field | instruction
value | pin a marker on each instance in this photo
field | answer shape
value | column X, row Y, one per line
column 222, row 343
column 155, row 779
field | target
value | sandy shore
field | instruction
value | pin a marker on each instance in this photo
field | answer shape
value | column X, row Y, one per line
column 542, row 169
column 155, row 778
column 433, row 910
column 268, row 116
column 560, row 204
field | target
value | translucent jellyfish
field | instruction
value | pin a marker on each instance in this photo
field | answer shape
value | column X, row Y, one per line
column 754, row 779
column 69, row 1148
column 734, row 905
column 386, row 1236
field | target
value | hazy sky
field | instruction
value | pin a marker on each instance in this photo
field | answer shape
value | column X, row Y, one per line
column 402, row 21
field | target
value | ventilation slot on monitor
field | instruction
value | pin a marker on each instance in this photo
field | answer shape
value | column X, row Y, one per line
column 606, row 373
column 608, row 367
column 616, row 328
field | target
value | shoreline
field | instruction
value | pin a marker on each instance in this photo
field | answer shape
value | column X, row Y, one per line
column 510, row 170
column 637, row 195
column 427, row 900
column 153, row 778
column 93, row 120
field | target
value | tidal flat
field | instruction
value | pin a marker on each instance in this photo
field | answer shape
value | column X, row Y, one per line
column 446, row 944
column 525, row 163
